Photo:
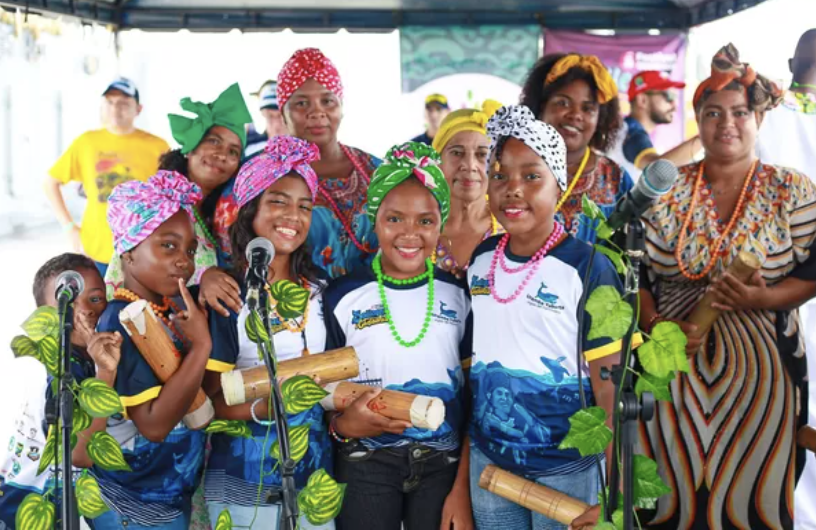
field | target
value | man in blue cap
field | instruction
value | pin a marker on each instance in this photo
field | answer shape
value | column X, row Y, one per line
column 270, row 110
column 436, row 108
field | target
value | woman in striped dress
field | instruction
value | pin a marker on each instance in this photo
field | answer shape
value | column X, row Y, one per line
column 726, row 443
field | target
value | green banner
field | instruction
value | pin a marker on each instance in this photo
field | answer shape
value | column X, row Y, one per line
column 503, row 51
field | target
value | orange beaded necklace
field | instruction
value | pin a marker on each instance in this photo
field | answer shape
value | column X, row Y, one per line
column 159, row 310
column 716, row 250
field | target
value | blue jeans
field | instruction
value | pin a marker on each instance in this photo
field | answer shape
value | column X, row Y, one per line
column 111, row 520
column 491, row 512
column 242, row 516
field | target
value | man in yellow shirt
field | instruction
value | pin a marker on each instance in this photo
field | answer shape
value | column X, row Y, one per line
column 101, row 160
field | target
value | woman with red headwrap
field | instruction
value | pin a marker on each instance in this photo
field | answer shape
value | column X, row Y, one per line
column 310, row 94
column 725, row 445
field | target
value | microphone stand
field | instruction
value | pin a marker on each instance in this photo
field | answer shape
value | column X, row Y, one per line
column 64, row 405
column 629, row 409
column 257, row 308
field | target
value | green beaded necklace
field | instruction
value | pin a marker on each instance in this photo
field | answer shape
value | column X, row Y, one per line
column 428, row 274
column 204, row 228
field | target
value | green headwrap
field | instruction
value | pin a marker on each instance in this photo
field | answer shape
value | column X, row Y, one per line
column 229, row 111
column 411, row 159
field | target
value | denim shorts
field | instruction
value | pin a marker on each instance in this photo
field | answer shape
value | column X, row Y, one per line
column 267, row 516
column 491, row 512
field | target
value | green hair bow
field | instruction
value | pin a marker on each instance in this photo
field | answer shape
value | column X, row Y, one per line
column 411, row 159
column 229, row 110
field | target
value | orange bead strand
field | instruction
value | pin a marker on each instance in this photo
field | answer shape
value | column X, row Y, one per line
column 159, row 310
column 716, row 250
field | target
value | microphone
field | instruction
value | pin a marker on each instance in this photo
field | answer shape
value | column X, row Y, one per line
column 69, row 285
column 656, row 180
column 259, row 254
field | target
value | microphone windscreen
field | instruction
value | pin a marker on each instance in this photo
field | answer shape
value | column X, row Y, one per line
column 657, row 178
column 263, row 244
column 67, row 278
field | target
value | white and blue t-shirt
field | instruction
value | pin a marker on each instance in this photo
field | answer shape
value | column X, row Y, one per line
column 524, row 374
column 234, row 467
column 355, row 316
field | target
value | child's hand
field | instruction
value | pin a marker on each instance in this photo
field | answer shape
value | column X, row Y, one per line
column 83, row 329
column 217, row 288
column 359, row 421
column 106, row 349
column 192, row 322
column 588, row 519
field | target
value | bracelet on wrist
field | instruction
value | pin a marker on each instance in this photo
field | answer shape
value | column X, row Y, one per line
column 265, row 423
column 653, row 321
column 334, row 434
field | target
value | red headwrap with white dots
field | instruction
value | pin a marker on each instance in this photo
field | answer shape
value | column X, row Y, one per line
column 308, row 63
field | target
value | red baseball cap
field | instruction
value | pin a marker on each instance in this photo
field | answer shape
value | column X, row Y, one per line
column 651, row 80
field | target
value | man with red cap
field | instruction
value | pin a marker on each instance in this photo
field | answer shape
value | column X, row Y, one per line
column 653, row 97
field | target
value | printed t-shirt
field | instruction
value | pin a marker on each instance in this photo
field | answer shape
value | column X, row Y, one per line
column 101, row 160
column 234, row 468
column 355, row 316
column 524, row 376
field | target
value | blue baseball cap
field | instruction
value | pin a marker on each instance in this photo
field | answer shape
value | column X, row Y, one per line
column 125, row 86
column 268, row 95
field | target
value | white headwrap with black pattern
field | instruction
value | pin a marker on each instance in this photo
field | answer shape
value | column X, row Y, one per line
column 519, row 122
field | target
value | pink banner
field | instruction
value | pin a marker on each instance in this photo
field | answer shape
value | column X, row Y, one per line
column 626, row 55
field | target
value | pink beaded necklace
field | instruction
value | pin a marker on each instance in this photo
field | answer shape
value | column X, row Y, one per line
column 346, row 222
column 533, row 264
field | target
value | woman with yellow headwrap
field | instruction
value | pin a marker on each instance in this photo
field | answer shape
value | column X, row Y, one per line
column 463, row 144
column 576, row 95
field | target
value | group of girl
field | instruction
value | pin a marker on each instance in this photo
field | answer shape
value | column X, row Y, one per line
column 454, row 271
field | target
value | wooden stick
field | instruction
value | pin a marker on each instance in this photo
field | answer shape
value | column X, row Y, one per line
column 150, row 338
column 540, row 499
column 744, row 265
column 242, row 386
column 806, row 437
column 423, row 412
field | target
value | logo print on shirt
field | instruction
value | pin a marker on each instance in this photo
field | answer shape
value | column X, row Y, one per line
column 33, row 453
column 545, row 300
column 369, row 317
column 446, row 315
column 479, row 286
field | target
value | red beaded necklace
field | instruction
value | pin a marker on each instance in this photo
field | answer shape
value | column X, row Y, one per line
column 127, row 295
column 344, row 220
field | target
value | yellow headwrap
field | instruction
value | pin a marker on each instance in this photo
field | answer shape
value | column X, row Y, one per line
column 607, row 89
column 464, row 120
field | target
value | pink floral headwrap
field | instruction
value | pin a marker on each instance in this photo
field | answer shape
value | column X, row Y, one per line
column 136, row 209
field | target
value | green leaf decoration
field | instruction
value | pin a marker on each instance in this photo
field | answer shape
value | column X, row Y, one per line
column 301, row 393
column 320, row 501
column 224, row 521
column 603, row 231
column 106, row 453
column 588, row 432
column 44, row 322
column 35, row 513
column 605, row 526
column 614, row 256
column 48, row 349
column 236, row 428
column 592, row 210
column 81, row 420
column 665, row 352
column 611, row 315
column 47, row 455
column 658, row 386
column 98, row 399
column 291, row 298
column 617, row 518
column 298, row 443
column 89, row 498
column 22, row 346
column 254, row 327
column 648, row 486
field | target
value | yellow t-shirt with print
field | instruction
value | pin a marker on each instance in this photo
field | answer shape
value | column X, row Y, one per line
column 101, row 160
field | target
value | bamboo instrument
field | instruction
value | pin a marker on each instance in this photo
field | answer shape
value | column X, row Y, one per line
column 423, row 412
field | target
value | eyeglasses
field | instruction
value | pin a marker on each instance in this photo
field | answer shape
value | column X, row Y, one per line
column 667, row 95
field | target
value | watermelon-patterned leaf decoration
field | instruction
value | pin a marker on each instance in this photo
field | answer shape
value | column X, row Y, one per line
column 298, row 444
column 98, row 399
column 89, row 498
column 82, row 420
column 106, row 453
column 23, row 346
column 254, row 328
column 48, row 349
column 224, row 521
column 236, row 428
column 35, row 513
column 47, row 455
column 44, row 322
column 291, row 298
column 320, row 501
column 301, row 393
